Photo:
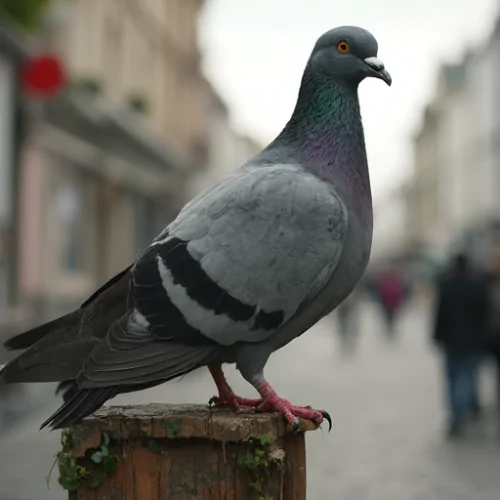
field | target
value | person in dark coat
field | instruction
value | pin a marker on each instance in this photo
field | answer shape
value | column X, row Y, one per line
column 493, row 325
column 460, row 330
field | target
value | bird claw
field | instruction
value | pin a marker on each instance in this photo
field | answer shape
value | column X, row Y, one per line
column 296, row 426
column 293, row 413
column 217, row 401
column 233, row 401
column 318, row 420
column 326, row 416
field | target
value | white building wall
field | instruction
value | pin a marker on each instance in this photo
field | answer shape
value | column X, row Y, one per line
column 480, row 125
column 455, row 165
column 228, row 150
column 468, row 150
column 391, row 231
column 221, row 153
column 444, row 170
column 464, row 144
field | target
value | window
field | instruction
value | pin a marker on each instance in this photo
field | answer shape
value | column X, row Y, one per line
column 144, row 61
column 113, row 55
column 69, row 203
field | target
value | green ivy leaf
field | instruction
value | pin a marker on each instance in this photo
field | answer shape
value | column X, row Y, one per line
column 105, row 437
column 96, row 481
column 69, row 483
column 154, row 446
column 97, row 457
column 173, row 428
column 263, row 440
column 110, row 464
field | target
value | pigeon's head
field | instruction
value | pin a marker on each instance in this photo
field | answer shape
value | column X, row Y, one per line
column 348, row 53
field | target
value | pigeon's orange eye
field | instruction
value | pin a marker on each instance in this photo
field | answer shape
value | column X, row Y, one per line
column 343, row 47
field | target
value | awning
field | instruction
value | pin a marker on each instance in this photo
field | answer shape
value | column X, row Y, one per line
column 94, row 119
column 86, row 132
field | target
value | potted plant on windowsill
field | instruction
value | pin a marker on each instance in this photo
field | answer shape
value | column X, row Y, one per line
column 87, row 86
column 138, row 103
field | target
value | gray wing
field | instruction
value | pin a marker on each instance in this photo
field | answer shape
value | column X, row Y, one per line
column 241, row 258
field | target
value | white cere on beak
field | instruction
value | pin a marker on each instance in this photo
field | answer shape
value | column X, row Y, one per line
column 375, row 63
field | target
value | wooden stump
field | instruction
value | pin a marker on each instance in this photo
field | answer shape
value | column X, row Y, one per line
column 162, row 452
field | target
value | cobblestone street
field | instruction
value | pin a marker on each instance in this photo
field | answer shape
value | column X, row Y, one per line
column 385, row 401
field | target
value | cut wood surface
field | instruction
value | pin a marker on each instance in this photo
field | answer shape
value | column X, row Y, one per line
column 187, row 452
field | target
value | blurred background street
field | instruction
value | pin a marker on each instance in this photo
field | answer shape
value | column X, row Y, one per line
column 386, row 404
column 114, row 113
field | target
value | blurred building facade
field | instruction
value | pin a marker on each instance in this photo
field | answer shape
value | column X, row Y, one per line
column 228, row 149
column 394, row 226
column 457, row 157
column 12, row 57
column 107, row 164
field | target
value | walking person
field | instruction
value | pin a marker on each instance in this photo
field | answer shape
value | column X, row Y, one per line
column 493, row 326
column 391, row 292
column 459, row 330
column 348, row 315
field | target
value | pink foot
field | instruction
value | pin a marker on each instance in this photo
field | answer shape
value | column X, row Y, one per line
column 272, row 402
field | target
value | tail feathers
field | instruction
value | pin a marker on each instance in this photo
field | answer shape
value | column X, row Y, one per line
column 54, row 364
column 111, row 293
column 80, row 405
column 68, row 389
column 30, row 337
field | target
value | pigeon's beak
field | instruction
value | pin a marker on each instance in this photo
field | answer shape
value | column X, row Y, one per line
column 375, row 68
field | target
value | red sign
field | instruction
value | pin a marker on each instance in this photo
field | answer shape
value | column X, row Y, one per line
column 43, row 76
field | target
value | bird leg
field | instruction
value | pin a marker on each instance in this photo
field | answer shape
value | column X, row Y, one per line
column 226, row 395
column 272, row 402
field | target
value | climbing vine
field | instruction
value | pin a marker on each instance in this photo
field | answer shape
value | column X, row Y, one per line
column 259, row 459
column 90, row 470
column 171, row 428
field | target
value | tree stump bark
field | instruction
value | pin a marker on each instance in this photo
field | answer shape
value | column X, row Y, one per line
column 163, row 452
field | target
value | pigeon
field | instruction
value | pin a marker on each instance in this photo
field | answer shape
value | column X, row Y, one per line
column 248, row 265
